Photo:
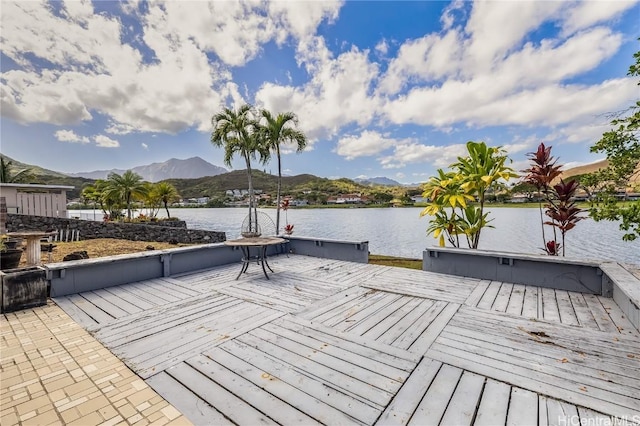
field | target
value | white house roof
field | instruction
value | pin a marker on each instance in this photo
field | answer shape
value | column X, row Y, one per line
column 33, row 185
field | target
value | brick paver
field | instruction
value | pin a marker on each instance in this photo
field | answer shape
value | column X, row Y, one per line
column 53, row 372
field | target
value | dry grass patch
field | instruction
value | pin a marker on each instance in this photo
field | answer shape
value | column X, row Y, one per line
column 101, row 247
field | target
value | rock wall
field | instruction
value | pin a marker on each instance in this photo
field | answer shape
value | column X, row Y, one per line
column 173, row 231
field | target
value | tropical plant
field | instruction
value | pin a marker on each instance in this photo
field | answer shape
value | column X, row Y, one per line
column 276, row 131
column 559, row 204
column 445, row 192
column 166, row 193
column 288, row 229
column 563, row 212
column 483, row 170
column 622, row 148
column 449, row 193
column 236, row 132
column 541, row 173
column 8, row 176
column 127, row 187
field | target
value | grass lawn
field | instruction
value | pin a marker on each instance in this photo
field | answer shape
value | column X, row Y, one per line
column 400, row 262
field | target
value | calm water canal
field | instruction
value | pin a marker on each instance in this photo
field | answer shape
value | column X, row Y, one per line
column 401, row 232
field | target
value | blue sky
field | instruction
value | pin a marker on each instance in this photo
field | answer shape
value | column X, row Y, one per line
column 380, row 88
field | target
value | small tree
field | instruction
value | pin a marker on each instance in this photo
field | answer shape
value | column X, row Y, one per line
column 622, row 148
column 472, row 178
column 166, row 193
column 128, row 187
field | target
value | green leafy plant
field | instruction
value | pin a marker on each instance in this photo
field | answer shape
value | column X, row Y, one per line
column 622, row 148
column 482, row 171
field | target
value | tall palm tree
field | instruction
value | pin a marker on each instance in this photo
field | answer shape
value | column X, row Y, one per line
column 128, row 187
column 167, row 193
column 235, row 131
column 276, row 131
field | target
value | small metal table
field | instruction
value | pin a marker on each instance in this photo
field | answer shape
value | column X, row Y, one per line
column 33, row 244
column 261, row 244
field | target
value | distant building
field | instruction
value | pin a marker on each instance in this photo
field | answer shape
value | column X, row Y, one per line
column 35, row 200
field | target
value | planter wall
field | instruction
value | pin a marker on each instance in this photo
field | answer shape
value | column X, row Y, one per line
column 23, row 288
column 172, row 231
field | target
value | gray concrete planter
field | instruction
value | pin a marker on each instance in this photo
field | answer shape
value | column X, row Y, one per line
column 23, row 288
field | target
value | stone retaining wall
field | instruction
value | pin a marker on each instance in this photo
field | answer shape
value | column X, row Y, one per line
column 126, row 231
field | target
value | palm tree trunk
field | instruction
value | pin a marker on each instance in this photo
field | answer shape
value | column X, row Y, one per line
column 278, row 191
column 253, row 226
column 167, row 209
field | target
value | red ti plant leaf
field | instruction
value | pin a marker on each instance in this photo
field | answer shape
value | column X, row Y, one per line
column 563, row 212
column 552, row 248
column 543, row 168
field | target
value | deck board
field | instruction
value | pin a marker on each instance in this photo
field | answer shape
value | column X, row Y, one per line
column 565, row 307
column 424, row 284
column 536, row 362
column 334, row 342
column 405, row 322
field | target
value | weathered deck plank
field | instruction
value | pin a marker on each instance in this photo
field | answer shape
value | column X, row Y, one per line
column 424, row 284
column 335, row 342
column 544, row 358
column 571, row 308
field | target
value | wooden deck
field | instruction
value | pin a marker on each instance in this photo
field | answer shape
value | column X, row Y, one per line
column 332, row 342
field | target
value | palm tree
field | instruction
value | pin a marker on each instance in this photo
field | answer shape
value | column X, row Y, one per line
column 127, row 187
column 235, row 131
column 275, row 132
column 7, row 176
column 167, row 193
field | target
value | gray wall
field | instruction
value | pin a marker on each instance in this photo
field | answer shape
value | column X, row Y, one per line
column 538, row 270
column 352, row 251
column 159, row 231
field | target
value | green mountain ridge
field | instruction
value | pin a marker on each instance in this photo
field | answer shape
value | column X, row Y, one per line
column 216, row 186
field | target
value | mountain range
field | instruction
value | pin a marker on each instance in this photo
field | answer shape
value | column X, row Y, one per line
column 379, row 180
column 190, row 168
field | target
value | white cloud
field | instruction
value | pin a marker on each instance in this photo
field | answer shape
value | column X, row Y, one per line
column 411, row 153
column 382, row 47
column 96, row 71
column 105, row 142
column 449, row 13
column 366, row 144
column 335, row 96
column 144, row 146
column 301, row 18
column 588, row 13
column 496, row 29
column 400, row 175
column 70, row 136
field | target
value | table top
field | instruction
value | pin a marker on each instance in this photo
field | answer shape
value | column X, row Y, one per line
column 256, row 241
column 29, row 234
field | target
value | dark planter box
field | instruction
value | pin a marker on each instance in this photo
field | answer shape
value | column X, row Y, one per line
column 23, row 288
column 10, row 258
